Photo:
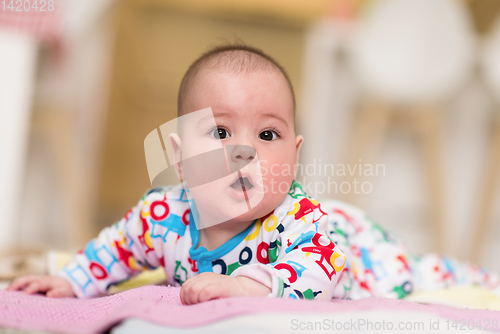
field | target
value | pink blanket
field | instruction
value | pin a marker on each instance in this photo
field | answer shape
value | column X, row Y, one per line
column 161, row 305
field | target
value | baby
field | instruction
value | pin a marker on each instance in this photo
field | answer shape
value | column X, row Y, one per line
column 251, row 231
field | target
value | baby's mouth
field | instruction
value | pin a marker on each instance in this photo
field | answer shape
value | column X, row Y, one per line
column 242, row 184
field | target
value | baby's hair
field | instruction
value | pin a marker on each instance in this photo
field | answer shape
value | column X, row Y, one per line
column 236, row 58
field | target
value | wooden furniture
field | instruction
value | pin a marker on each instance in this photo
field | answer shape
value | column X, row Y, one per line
column 409, row 77
column 488, row 199
column 426, row 122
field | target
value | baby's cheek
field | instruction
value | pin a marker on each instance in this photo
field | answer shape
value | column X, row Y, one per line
column 277, row 177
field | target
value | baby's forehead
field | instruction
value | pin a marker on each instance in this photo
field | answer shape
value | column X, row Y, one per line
column 230, row 63
column 256, row 93
column 214, row 75
column 225, row 85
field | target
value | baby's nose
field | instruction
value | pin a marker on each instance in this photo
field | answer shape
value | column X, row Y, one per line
column 243, row 152
column 239, row 156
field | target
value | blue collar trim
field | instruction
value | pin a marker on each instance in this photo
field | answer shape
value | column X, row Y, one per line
column 203, row 255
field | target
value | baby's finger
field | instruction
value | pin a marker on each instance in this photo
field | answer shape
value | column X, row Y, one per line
column 181, row 295
column 188, row 295
column 58, row 293
column 184, row 294
column 20, row 282
column 54, row 293
column 195, row 289
column 37, row 286
column 211, row 291
column 185, row 290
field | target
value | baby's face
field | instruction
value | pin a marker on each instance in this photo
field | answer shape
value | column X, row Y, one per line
column 254, row 115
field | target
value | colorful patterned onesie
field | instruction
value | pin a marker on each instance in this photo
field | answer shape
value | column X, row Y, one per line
column 297, row 251
column 379, row 264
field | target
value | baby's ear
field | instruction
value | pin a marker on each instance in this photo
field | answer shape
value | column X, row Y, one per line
column 176, row 143
column 298, row 143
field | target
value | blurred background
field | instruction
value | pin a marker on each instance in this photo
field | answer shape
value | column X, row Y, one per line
column 409, row 87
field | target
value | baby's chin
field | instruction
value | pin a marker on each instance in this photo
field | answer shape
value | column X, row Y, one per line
column 268, row 204
column 262, row 203
column 225, row 209
column 251, row 215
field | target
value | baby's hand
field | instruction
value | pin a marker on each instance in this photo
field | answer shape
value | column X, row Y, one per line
column 52, row 286
column 207, row 286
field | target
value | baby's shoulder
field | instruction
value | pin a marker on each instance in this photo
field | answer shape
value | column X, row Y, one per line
column 299, row 210
column 169, row 193
column 299, row 206
column 166, row 199
column 166, row 207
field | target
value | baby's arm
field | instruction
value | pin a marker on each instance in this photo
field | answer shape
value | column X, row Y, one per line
column 309, row 264
column 118, row 253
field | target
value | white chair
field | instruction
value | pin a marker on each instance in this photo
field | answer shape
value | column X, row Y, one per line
column 411, row 55
column 17, row 72
column 490, row 70
column 67, row 108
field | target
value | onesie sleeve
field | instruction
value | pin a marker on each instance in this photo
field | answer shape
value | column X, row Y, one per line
column 309, row 264
column 119, row 252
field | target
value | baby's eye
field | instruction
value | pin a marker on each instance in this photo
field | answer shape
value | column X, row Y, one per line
column 220, row 133
column 268, row 135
